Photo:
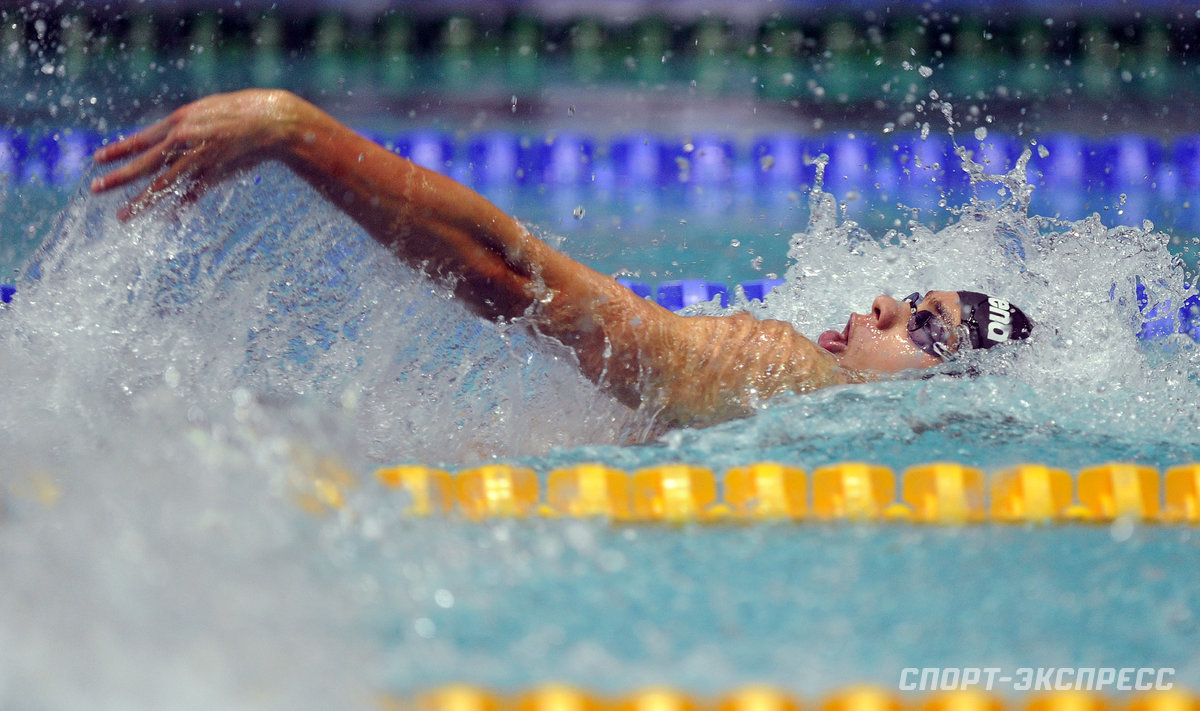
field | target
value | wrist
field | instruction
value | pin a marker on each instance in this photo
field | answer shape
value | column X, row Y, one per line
column 291, row 127
column 279, row 115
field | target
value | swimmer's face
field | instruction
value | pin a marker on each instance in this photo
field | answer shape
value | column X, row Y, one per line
column 879, row 341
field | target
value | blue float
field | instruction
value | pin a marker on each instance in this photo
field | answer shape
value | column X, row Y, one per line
column 757, row 289
column 996, row 154
column 6, row 293
column 714, row 159
column 637, row 159
column 702, row 160
column 640, row 288
column 1161, row 320
column 1189, row 317
column 495, row 158
column 675, row 295
column 780, row 159
column 565, row 159
column 1185, row 160
column 851, row 162
column 428, row 149
column 1063, row 167
column 1126, row 162
column 925, row 163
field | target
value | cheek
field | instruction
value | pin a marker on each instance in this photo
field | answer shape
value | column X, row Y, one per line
column 893, row 352
column 889, row 351
column 866, row 352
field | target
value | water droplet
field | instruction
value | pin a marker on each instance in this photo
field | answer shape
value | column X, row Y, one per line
column 424, row 627
column 1122, row 529
column 925, row 71
column 980, row 133
column 579, row 212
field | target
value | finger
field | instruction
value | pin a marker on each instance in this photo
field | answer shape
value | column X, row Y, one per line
column 136, row 143
column 194, row 191
column 161, row 188
column 195, row 186
column 149, row 162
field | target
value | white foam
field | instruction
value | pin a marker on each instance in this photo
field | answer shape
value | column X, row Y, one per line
column 172, row 381
column 171, row 385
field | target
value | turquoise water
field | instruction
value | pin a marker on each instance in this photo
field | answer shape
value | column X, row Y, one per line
column 171, row 384
column 809, row 608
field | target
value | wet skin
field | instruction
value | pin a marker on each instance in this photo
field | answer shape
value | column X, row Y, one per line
column 684, row 371
column 879, row 340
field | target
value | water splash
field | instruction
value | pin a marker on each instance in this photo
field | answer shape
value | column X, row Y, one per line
column 182, row 388
column 1083, row 377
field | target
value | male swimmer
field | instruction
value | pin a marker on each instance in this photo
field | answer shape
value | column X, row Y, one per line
column 686, row 370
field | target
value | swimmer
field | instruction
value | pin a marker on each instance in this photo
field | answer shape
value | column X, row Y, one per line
column 687, row 371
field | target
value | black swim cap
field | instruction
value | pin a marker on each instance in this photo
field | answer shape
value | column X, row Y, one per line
column 991, row 321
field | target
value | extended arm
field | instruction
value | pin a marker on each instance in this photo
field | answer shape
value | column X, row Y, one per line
column 640, row 352
column 429, row 221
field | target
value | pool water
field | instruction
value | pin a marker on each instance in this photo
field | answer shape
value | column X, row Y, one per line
column 800, row 607
column 204, row 362
column 173, row 383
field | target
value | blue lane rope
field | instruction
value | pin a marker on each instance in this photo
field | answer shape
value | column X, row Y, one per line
column 857, row 161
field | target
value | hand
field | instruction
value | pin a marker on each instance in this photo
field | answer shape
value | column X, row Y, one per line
column 198, row 146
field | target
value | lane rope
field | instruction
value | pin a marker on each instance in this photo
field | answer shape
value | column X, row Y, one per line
column 934, row 493
column 1084, row 689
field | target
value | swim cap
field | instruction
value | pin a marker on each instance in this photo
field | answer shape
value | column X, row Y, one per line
column 991, row 321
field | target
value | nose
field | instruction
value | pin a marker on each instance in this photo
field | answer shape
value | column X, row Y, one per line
column 885, row 312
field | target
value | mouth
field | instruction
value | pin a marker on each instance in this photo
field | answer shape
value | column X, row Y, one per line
column 835, row 341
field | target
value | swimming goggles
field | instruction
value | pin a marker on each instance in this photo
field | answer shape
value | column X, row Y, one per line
column 927, row 330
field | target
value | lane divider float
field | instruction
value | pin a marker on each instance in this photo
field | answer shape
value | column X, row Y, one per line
column 761, row 697
column 902, row 164
column 941, row 493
